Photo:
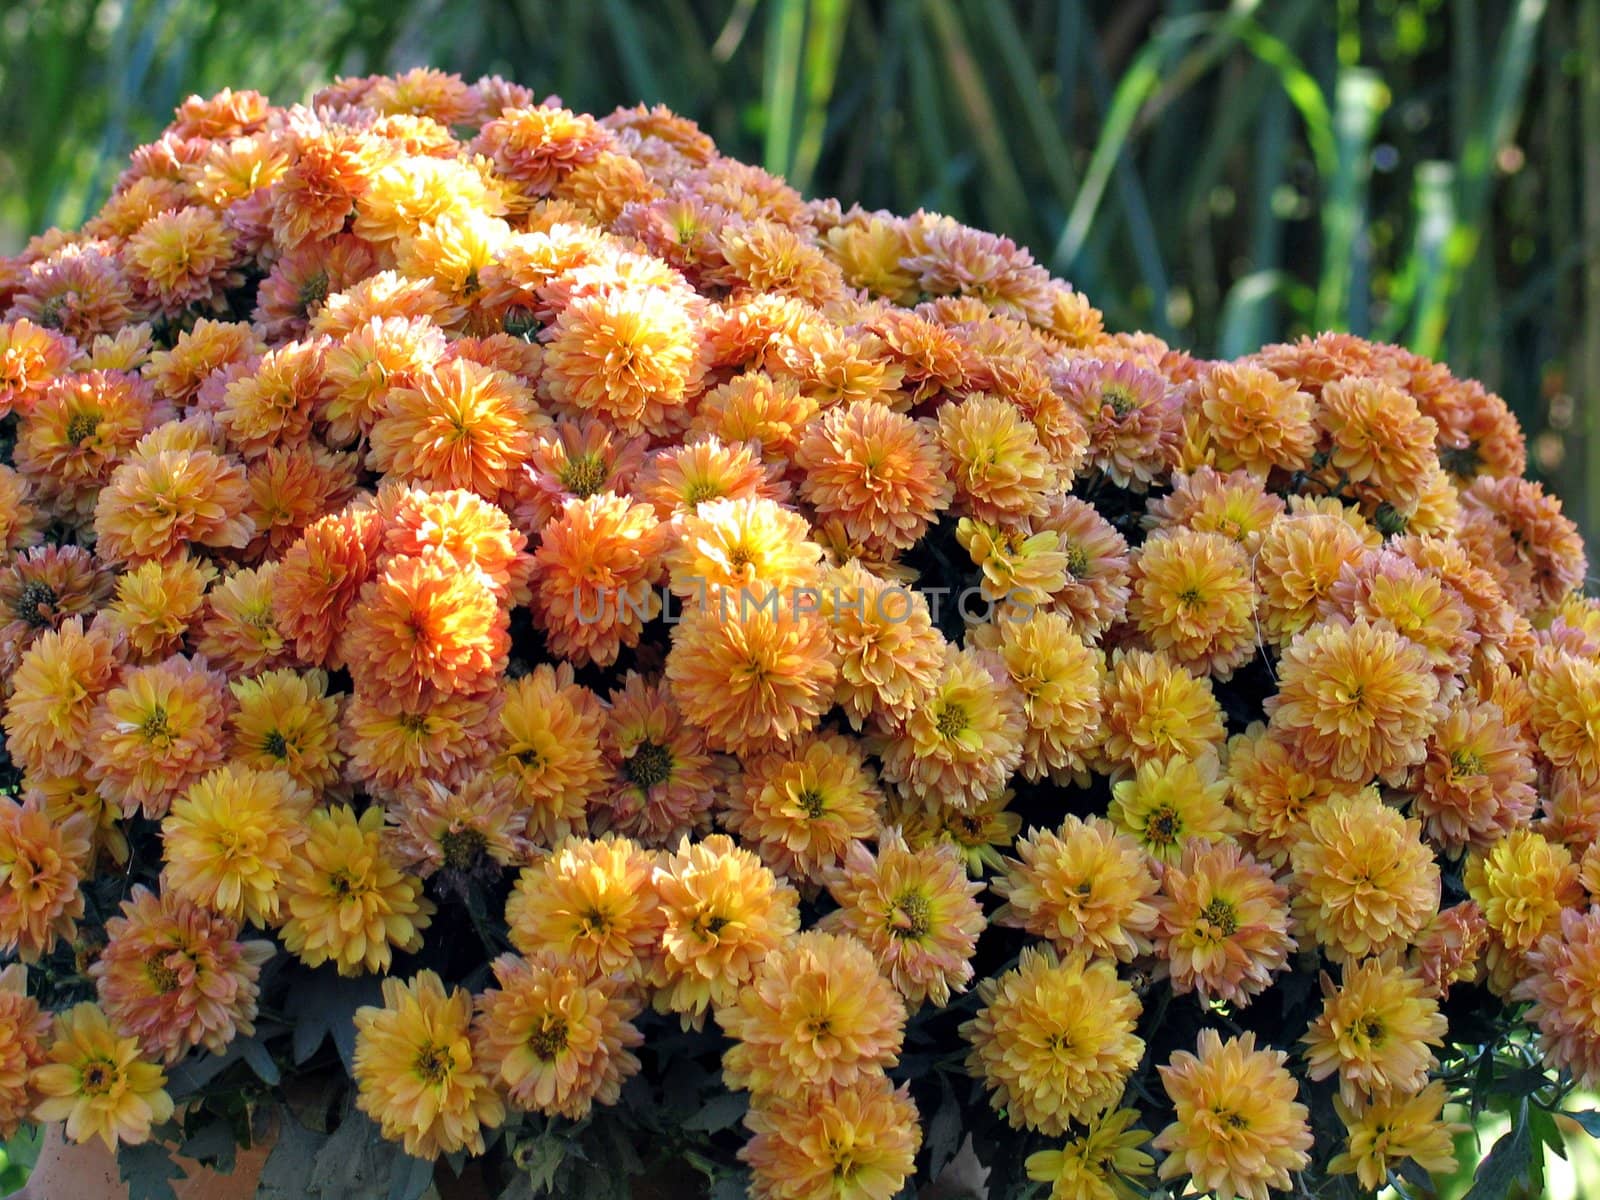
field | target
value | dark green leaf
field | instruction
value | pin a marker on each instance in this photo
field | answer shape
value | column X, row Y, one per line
column 1509, row 1163
column 1589, row 1118
column 288, row 1169
column 254, row 1053
column 324, row 1004
column 722, row 1111
column 944, row 1129
column 411, row 1178
column 213, row 1145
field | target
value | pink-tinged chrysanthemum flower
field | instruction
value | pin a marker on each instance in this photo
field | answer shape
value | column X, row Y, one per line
column 1095, row 594
column 803, row 806
column 463, row 426
column 1132, row 415
column 419, row 1071
column 441, row 737
column 1154, row 710
column 535, row 147
column 1365, row 881
column 319, row 578
column 1561, row 975
column 597, row 564
column 996, row 462
column 1235, row 505
column 1084, row 887
column 859, row 1140
column 754, row 407
column 272, row 405
column 345, row 899
column 1273, row 792
column 571, row 461
column 879, row 472
column 183, row 257
column 198, row 353
column 1055, row 1039
column 464, row 830
column 1521, row 883
column 1239, row 1129
column 1448, row 951
column 176, row 976
column 238, row 631
column 1379, row 437
column 1256, row 420
column 816, row 1014
column 556, row 1039
column 1386, row 586
column 662, row 778
column 40, row 588
column 722, row 912
column 590, row 902
column 629, row 355
column 174, row 489
column 915, row 909
column 752, row 671
column 1224, row 928
column 678, row 479
column 1193, row 596
column 77, row 432
column 1374, row 1031
column 158, row 730
column 426, row 624
column 1300, row 560
column 43, row 863
column 1356, row 700
column 22, row 518
column 1171, row 803
column 949, row 258
column 551, row 751
column 24, row 1036
column 82, row 290
column 30, row 357
column 963, row 738
column 54, row 693
column 360, row 370
column 1517, row 532
column 1476, row 785
column 300, row 282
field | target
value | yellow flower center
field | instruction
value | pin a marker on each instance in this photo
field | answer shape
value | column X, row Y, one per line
column 912, row 918
column 162, row 977
column 1464, row 763
column 951, row 720
column 585, row 476
column 549, row 1039
column 155, row 728
column 1118, row 399
column 650, row 764
column 1222, row 918
column 1077, row 561
column 811, row 802
column 433, row 1063
column 701, row 490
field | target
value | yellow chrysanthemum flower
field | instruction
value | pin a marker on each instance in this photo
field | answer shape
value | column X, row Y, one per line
column 1374, row 1030
column 97, row 1082
column 1105, row 1163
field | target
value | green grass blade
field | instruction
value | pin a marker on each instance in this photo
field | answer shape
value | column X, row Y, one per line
column 1359, row 100
column 786, row 31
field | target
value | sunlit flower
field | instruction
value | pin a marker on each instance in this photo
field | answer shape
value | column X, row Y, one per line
column 1172, row 803
column 43, row 866
column 858, row 1141
column 1224, row 927
column 1383, row 1134
column 97, row 1082
column 24, row 1034
column 590, row 902
column 1154, row 710
column 1374, row 1030
column 1105, row 1163
column 1522, row 884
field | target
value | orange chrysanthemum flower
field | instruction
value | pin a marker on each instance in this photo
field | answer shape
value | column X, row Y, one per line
column 158, row 730
column 1256, row 420
column 1374, row 1031
column 1239, row 1129
column 156, row 603
column 1153, row 709
column 55, row 692
column 1193, row 596
column 1300, row 560
column 889, row 652
column 590, row 902
column 1170, row 804
column 859, row 1140
column 238, row 631
column 817, row 1014
column 319, row 578
column 228, row 840
column 1560, row 976
column 1224, row 927
column 176, row 976
column 1055, row 1039
column 174, row 489
column 1366, row 883
column 596, row 566
column 1522, row 884
column 914, row 909
column 723, row 912
column 551, row 751
column 183, row 257
column 1273, row 792
column 1379, row 437
column 998, row 467
column 24, row 1032
column 30, row 357
column 1476, row 785
column 1356, row 700
column 557, row 1040
column 419, row 1071
column 1384, row 1134
column 81, row 427
column 463, row 425
column 43, row 864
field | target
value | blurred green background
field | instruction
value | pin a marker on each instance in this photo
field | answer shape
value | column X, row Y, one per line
column 1425, row 171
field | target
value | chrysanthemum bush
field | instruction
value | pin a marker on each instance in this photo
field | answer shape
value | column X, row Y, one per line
column 529, row 644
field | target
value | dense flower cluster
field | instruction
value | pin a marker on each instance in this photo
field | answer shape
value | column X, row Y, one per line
column 435, row 515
